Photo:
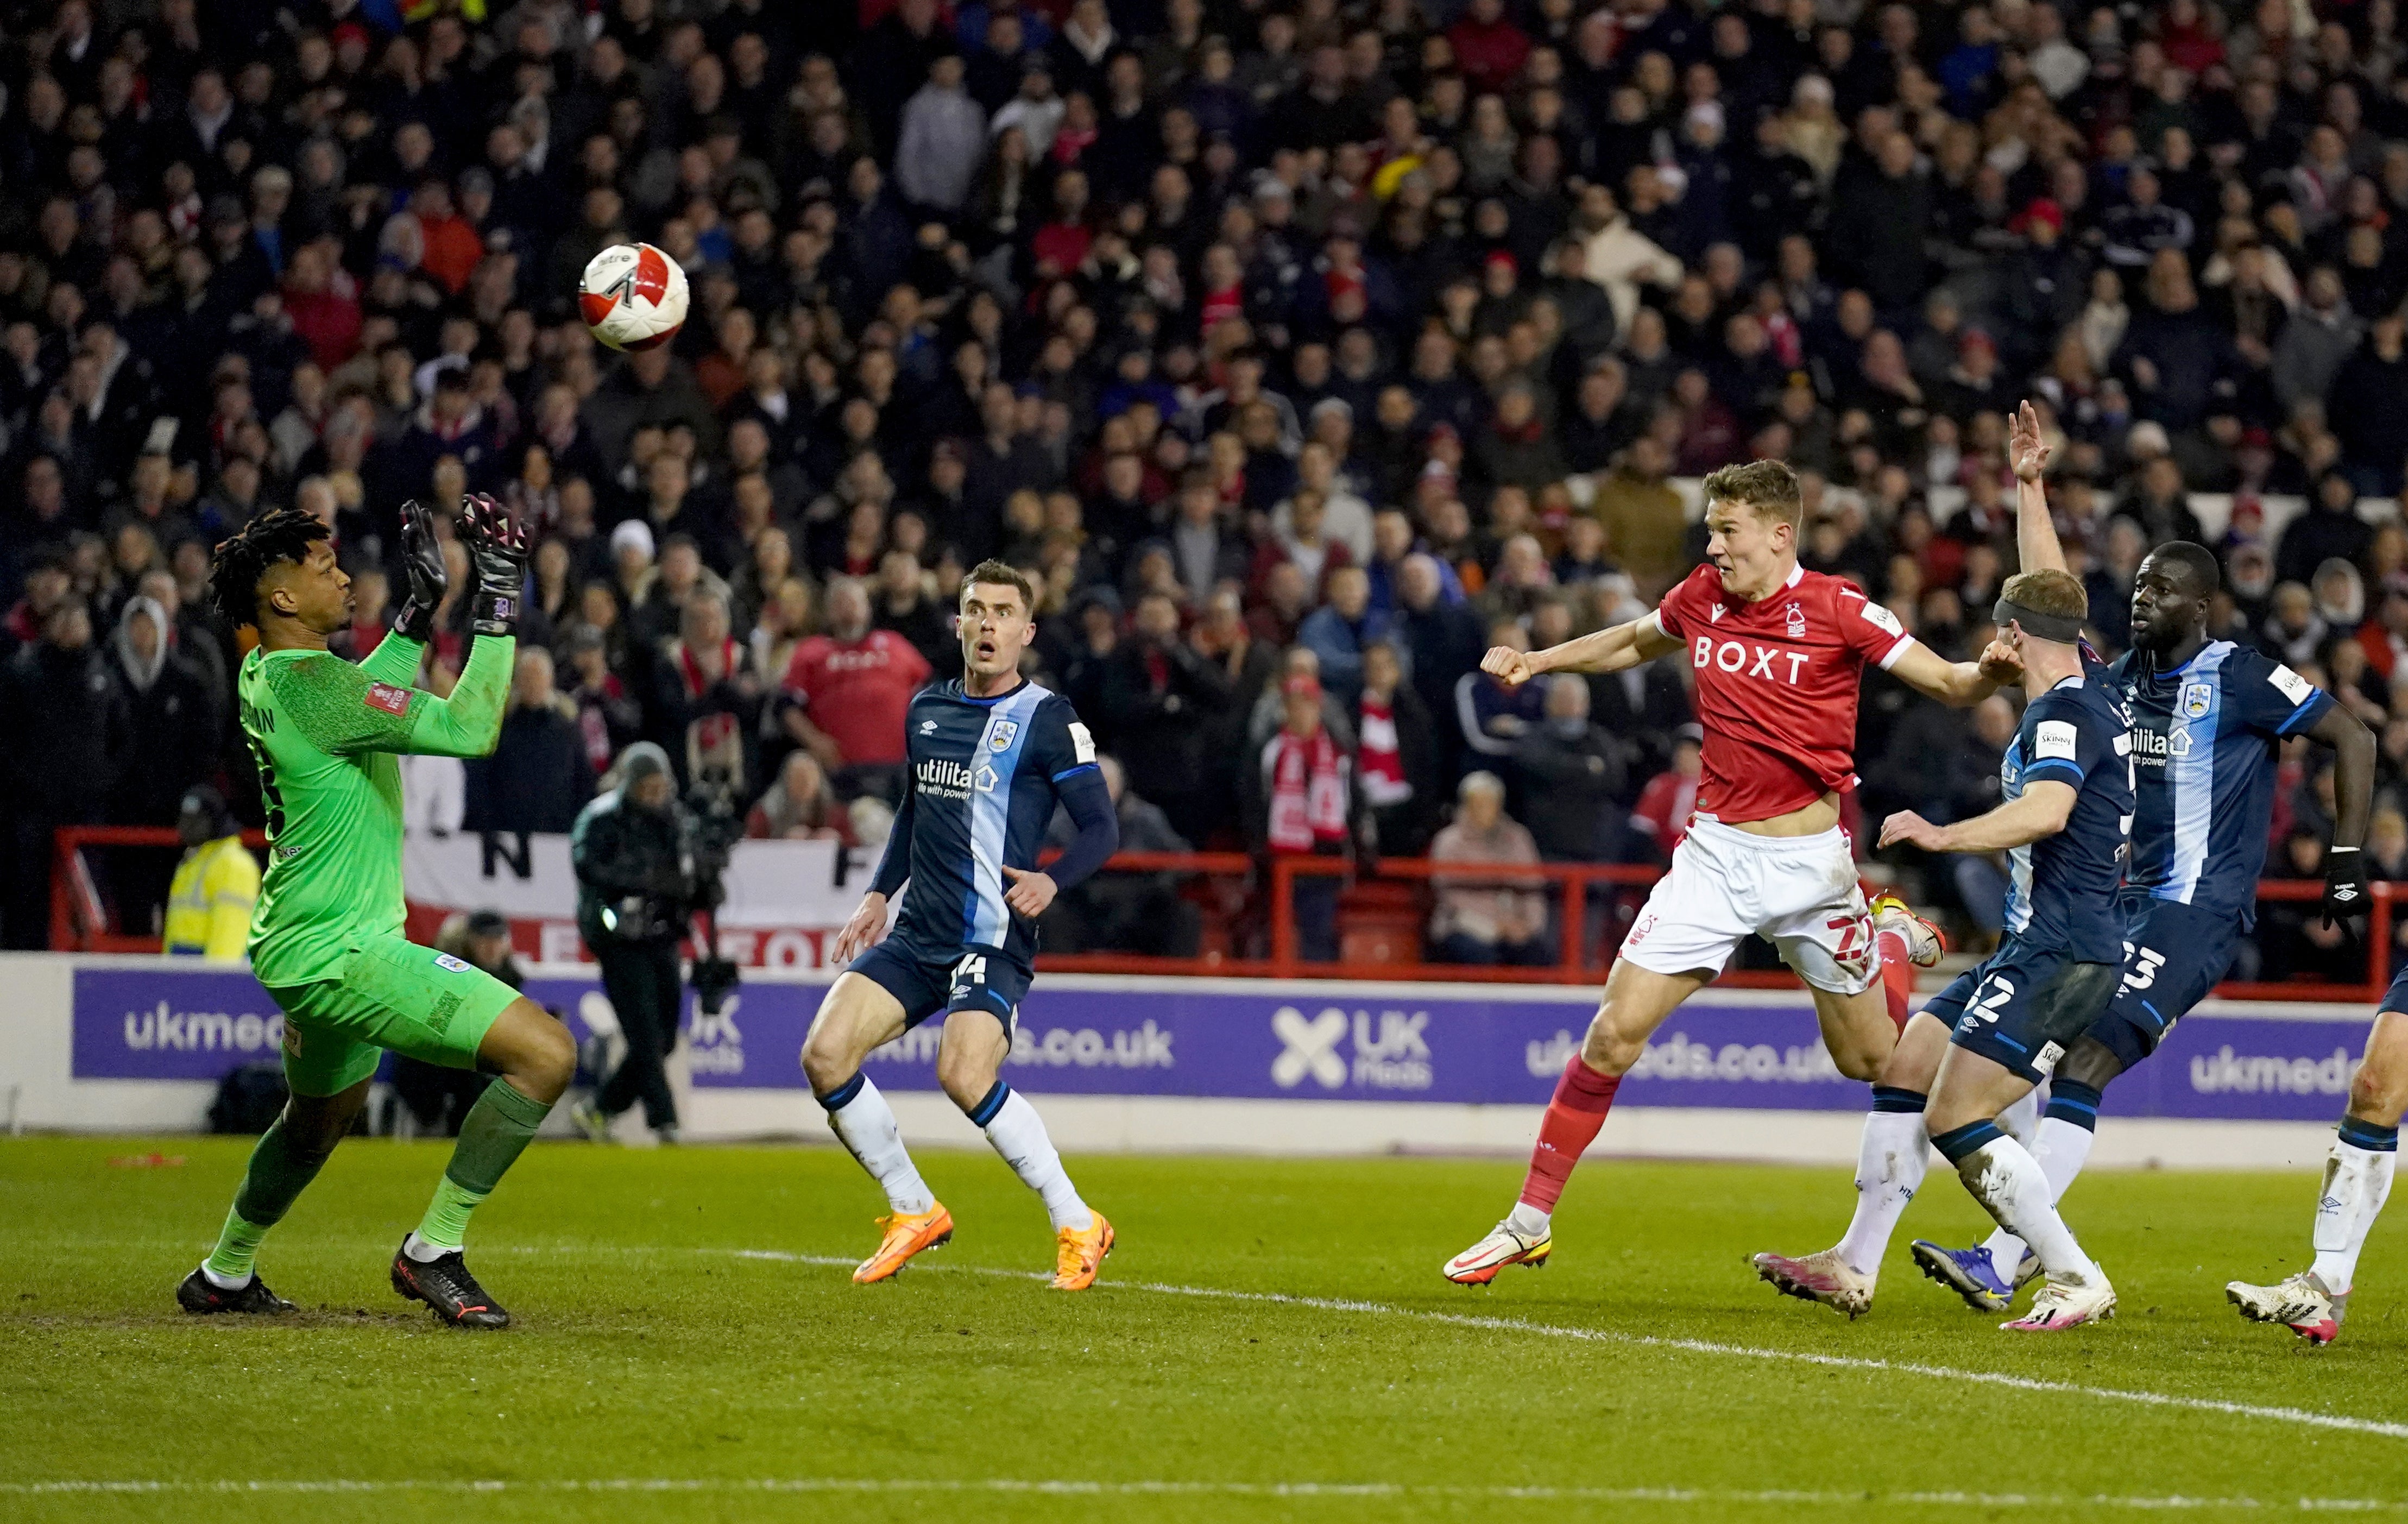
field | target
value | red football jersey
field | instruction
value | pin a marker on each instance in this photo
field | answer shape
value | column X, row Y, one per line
column 858, row 692
column 1777, row 683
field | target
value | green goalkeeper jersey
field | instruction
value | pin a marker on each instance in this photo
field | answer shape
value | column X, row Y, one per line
column 324, row 735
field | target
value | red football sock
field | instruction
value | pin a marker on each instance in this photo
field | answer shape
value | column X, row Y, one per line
column 1582, row 1099
column 1896, row 974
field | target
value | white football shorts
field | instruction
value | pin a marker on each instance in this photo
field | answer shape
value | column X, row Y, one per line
column 1800, row 892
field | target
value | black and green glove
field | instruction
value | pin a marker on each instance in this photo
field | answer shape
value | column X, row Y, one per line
column 424, row 580
column 498, row 550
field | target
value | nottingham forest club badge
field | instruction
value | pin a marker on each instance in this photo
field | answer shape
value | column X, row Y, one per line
column 2196, row 698
column 1001, row 740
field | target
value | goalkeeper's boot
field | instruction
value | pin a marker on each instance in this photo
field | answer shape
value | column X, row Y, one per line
column 1925, row 945
column 1506, row 1245
column 1971, row 1273
column 1822, row 1276
column 2302, row 1303
column 907, row 1233
column 590, row 1122
column 445, row 1285
column 1079, row 1253
column 2064, row 1302
column 201, row 1295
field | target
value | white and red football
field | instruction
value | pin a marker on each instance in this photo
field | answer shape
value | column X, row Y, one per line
column 633, row 297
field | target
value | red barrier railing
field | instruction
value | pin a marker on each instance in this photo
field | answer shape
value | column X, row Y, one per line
column 78, row 921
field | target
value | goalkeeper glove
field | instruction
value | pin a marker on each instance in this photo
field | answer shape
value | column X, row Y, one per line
column 424, row 580
column 498, row 549
column 2345, row 885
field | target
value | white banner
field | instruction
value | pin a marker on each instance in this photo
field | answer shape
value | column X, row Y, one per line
column 784, row 898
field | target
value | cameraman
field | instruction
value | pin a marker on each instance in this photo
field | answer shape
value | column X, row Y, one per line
column 633, row 897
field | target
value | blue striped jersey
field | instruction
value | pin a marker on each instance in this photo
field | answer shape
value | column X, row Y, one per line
column 984, row 774
column 2205, row 737
column 2061, row 888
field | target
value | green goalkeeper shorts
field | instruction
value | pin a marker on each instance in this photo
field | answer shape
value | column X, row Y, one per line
column 393, row 995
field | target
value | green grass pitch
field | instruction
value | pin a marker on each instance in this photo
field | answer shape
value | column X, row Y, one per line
column 681, row 1337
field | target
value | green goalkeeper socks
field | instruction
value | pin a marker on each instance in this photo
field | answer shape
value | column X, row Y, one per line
column 276, row 1176
column 493, row 1135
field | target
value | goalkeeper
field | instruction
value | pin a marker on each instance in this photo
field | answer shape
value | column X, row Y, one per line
column 327, row 939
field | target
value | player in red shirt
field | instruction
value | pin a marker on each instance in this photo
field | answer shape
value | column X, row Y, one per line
column 1779, row 654
column 849, row 688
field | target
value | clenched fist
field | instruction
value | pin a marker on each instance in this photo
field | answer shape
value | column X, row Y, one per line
column 1508, row 665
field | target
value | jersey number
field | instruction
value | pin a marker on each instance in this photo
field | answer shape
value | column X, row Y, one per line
column 1854, row 953
column 1991, row 1008
column 2142, row 971
column 267, row 789
column 970, row 970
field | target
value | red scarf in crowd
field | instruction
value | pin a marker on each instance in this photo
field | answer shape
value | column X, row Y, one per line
column 1378, row 758
column 1308, row 793
column 709, row 731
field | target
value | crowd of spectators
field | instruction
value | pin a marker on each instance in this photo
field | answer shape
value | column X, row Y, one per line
column 1300, row 349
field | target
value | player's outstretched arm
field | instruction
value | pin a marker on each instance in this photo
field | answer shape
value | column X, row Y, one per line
column 2354, row 752
column 1959, row 685
column 469, row 723
column 868, row 923
column 2036, row 542
column 1612, row 650
column 2044, row 807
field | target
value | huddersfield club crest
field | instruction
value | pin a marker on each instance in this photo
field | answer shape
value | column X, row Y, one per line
column 2196, row 698
column 1004, row 731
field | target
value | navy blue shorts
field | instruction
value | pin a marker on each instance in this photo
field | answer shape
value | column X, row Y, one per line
column 2173, row 955
column 2021, row 1007
column 963, row 979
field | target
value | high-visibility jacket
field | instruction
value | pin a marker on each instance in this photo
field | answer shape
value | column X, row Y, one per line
column 210, row 904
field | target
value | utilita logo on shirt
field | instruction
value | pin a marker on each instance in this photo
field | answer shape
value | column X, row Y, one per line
column 1768, row 662
column 946, row 780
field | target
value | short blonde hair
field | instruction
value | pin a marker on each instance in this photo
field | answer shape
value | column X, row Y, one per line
column 2048, row 591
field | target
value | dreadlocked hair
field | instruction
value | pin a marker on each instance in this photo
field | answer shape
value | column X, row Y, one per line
column 241, row 559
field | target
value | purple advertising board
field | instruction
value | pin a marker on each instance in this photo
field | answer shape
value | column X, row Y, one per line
column 1260, row 1040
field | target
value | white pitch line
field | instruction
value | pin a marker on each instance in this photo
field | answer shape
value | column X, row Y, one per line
column 1694, row 1346
column 1716, row 1497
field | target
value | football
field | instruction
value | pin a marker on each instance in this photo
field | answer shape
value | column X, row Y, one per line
column 633, row 297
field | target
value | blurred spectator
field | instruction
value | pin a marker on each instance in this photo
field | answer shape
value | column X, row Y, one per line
column 1573, row 777
column 1494, row 716
column 1486, row 921
column 1396, row 755
column 800, row 806
column 63, row 770
column 1305, row 803
column 1341, row 630
column 216, row 883
column 540, row 773
column 1124, row 912
column 1162, row 698
column 845, row 694
column 1661, row 817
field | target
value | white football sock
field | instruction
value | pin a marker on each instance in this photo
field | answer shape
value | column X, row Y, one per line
column 1528, row 1220
column 2008, row 1181
column 2064, row 1147
column 866, row 1128
column 1018, row 1135
column 1891, row 1158
column 2357, row 1181
column 420, row 1252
